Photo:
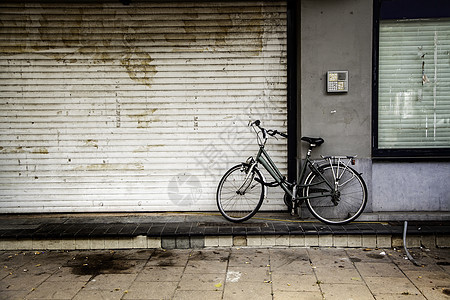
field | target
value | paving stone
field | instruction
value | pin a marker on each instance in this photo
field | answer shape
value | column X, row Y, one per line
column 168, row 242
column 423, row 278
column 249, row 257
column 169, row 258
column 384, row 241
column 311, row 240
column 239, row 241
column 282, row 240
column 346, row 291
column 197, row 242
column 242, row 290
column 340, row 240
column 290, row 261
column 294, row 283
column 211, row 241
column 329, row 257
column 133, row 254
column 97, row 243
column 397, row 241
column 413, row 241
column 45, row 244
column 429, row 241
column 325, row 240
column 111, row 282
column 338, row 275
column 401, row 296
column 297, row 241
column 225, row 241
column 214, row 255
column 56, row 290
column 378, row 269
column 153, row 242
column 125, row 242
column 384, row 285
column 204, row 295
column 443, row 241
column 369, row 241
column 248, row 273
column 268, row 240
column 111, row 243
column 182, row 242
column 202, row 282
column 20, row 281
column 99, row 294
column 151, row 290
column 13, row 294
column 15, row 244
column 69, row 244
column 140, row 242
column 436, row 293
column 128, row 229
column 142, row 229
column 82, row 244
column 286, row 295
column 159, row 273
column 254, row 241
column 206, row 266
column 67, row 274
column 368, row 255
column 354, row 241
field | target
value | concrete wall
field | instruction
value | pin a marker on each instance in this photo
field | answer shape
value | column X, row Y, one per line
column 337, row 35
column 420, row 186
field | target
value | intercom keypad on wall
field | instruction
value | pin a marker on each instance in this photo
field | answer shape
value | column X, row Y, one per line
column 337, row 81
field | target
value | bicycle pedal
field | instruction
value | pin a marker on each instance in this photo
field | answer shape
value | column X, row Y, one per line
column 293, row 211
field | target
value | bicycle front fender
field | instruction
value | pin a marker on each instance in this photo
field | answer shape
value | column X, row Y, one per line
column 254, row 167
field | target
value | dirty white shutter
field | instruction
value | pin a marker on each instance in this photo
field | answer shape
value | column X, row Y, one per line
column 414, row 84
column 139, row 107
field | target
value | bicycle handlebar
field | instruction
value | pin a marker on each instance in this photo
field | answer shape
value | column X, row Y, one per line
column 270, row 132
column 274, row 132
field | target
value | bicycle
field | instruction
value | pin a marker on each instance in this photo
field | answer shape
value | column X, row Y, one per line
column 333, row 191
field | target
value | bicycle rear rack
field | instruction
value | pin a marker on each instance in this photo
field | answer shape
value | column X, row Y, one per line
column 343, row 159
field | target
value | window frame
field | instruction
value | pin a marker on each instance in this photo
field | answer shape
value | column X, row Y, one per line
column 413, row 13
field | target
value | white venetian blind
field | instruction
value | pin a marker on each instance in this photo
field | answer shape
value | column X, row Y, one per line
column 414, row 84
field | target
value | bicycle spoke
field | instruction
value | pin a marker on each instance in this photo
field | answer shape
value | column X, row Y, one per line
column 339, row 206
column 239, row 196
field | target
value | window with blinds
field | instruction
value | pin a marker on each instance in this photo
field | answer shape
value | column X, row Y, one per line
column 414, row 84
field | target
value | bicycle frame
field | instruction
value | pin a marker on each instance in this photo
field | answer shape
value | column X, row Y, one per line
column 264, row 159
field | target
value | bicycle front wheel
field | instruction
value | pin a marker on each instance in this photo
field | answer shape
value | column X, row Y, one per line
column 340, row 201
column 240, row 194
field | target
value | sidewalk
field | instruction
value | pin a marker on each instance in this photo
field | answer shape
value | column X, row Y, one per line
column 226, row 273
column 199, row 230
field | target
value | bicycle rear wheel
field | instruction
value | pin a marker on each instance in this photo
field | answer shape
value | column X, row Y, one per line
column 340, row 204
column 239, row 196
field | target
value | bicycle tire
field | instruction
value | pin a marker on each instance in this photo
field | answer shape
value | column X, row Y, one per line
column 235, row 205
column 348, row 202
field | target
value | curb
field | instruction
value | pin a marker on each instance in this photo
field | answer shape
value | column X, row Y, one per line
column 198, row 242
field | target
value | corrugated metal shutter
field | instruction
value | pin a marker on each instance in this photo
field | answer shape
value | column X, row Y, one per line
column 140, row 107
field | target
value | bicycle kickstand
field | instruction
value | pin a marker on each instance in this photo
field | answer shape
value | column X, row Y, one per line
column 294, row 198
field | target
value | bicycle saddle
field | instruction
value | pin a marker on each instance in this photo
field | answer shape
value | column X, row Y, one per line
column 313, row 141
